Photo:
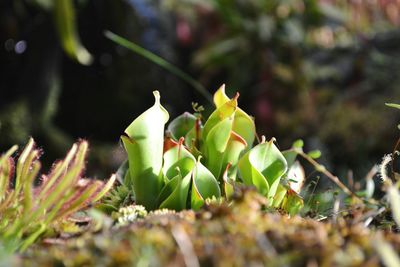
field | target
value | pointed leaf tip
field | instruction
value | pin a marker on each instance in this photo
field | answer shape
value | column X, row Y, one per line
column 157, row 97
column 263, row 139
column 272, row 140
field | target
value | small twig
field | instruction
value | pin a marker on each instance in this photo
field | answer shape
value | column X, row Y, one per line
column 369, row 216
column 266, row 245
column 186, row 246
column 320, row 168
column 336, row 206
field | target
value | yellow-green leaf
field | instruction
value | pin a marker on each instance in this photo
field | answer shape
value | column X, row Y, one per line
column 243, row 124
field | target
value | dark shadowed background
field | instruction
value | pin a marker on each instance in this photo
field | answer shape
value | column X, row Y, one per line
column 316, row 70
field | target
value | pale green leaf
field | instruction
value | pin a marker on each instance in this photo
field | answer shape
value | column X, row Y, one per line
column 263, row 165
column 176, row 158
column 216, row 144
column 204, row 186
column 236, row 145
column 144, row 141
column 178, row 188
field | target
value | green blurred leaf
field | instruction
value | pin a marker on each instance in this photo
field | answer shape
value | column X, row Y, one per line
column 298, row 144
column 292, row 203
column 64, row 16
column 315, row 154
column 279, row 196
column 45, row 4
column 392, row 105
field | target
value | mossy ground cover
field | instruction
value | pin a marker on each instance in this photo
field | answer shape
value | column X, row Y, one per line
column 240, row 234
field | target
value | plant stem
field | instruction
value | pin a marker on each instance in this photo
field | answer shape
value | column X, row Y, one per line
column 320, row 168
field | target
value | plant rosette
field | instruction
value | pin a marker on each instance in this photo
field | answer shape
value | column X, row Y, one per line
column 194, row 162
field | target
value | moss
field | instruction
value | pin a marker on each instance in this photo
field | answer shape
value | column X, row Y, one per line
column 219, row 235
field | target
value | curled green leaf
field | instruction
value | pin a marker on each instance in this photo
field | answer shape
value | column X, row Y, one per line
column 216, row 144
column 204, row 186
column 236, row 145
column 228, row 183
column 181, row 125
column 263, row 166
column 227, row 110
column 243, row 124
column 175, row 193
column 178, row 157
column 143, row 141
column 177, row 169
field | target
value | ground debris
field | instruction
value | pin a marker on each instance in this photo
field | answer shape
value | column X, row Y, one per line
column 239, row 234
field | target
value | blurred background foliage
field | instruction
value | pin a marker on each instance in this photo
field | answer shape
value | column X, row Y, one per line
column 320, row 70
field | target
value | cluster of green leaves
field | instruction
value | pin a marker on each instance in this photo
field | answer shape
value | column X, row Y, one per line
column 26, row 211
column 194, row 162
